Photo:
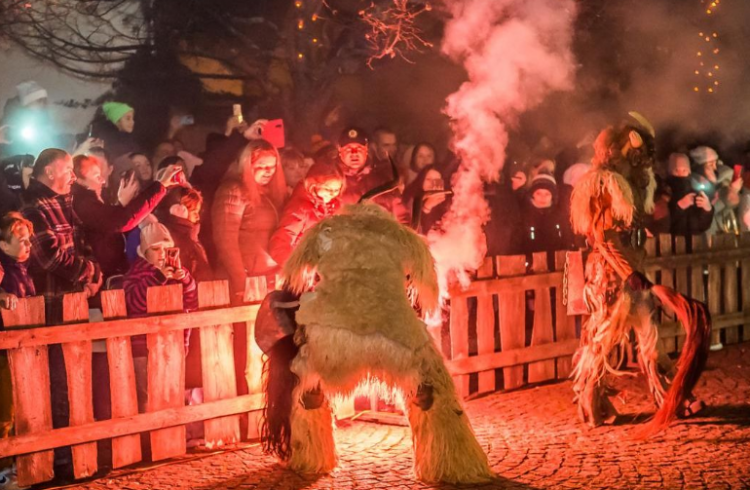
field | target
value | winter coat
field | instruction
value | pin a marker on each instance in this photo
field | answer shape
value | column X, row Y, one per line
column 545, row 229
column 503, row 231
column 301, row 213
column 367, row 179
column 192, row 254
column 689, row 221
column 60, row 261
column 118, row 143
column 141, row 276
column 241, row 234
column 104, row 224
column 721, row 195
column 15, row 278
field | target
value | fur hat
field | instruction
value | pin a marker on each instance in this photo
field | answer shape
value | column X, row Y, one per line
column 543, row 181
column 114, row 111
column 29, row 92
column 154, row 234
column 703, row 154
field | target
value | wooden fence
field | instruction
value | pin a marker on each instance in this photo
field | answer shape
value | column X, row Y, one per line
column 510, row 327
column 27, row 341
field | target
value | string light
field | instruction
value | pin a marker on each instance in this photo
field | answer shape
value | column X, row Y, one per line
column 298, row 4
column 711, row 37
column 300, row 24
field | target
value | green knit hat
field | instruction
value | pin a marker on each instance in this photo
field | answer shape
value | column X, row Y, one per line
column 115, row 110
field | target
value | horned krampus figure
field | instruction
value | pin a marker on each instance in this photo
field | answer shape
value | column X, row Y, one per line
column 355, row 325
column 608, row 206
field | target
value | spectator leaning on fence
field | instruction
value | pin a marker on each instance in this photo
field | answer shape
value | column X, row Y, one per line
column 154, row 267
column 15, row 283
column 60, row 262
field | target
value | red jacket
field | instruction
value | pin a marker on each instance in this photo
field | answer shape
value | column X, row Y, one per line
column 302, row 212
column 367, row 179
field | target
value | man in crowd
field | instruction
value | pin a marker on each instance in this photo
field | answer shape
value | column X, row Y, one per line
column 361, row 175
column 59, row 265
column 384, row 146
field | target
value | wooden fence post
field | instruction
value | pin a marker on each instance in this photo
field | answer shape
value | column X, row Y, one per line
column 486, row 327
column 29, row 371
column 256, row 291
column 511, row 313
column 714, row 291
column 542, row 332
column 745, row 264
column 126, row 450
column 78, row 367
column 667, row 279
column 460, row 340
column 681, row 278
column 217, row 360
column 729, row 242
column 565, row 325
column 166, row 372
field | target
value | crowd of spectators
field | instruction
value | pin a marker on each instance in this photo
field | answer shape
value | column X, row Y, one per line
column 109, row 214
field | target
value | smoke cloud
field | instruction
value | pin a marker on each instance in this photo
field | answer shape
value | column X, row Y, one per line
column 515, row 52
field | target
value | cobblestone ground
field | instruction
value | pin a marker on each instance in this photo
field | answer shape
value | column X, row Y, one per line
column 533, row 441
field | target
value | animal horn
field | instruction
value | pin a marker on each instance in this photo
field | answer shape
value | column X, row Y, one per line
column 643, row 122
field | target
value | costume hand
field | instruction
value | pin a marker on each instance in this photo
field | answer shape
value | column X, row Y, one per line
column 255, row 130
column 168, row 177
column 8, row 301
column 702, row 201
column 128, row 190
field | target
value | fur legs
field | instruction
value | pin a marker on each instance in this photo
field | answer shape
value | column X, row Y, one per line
column 445, row 448
column 312, row 447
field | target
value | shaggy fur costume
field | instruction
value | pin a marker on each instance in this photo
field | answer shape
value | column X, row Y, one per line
column 607, row 206
column 357, row 325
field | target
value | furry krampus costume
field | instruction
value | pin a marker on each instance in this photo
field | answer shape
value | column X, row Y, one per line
column 607, row 206
column 357, row 325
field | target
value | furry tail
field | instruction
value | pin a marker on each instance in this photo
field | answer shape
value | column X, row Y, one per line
column 696, row 320
column 280, row 381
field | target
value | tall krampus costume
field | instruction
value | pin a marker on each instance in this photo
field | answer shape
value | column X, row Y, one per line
column 608, row 206
column 357, row 325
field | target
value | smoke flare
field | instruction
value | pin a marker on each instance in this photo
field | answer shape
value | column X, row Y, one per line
column 514, row 52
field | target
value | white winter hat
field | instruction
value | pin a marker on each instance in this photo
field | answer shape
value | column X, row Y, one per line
column 154, row 234
column 703, row 154
column 574, row 173
column 29, row 92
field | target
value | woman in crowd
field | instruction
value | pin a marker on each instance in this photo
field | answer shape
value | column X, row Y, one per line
column 245, row 214
column 716, row 180
column 142, row 168
column 317, row 198
column 103, row 224
column 427, row 198
column 421, row 156
column 295, row 167
column 117, row 132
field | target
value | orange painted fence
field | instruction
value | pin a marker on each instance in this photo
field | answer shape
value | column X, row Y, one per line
column 27, row 340
column 510, row 327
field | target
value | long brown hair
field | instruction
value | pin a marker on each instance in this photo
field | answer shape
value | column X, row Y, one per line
column 276, row 188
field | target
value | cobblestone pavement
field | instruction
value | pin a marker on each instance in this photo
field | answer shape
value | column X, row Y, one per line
column 533, row 440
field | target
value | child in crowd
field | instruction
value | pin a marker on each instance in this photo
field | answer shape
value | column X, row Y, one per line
column 158, row 264
column 15, row 282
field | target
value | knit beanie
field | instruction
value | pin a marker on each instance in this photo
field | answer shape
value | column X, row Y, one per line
column 154, row 234
column 703, row 154
column 115, row 110
column 543, row 181
column 29, row 92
